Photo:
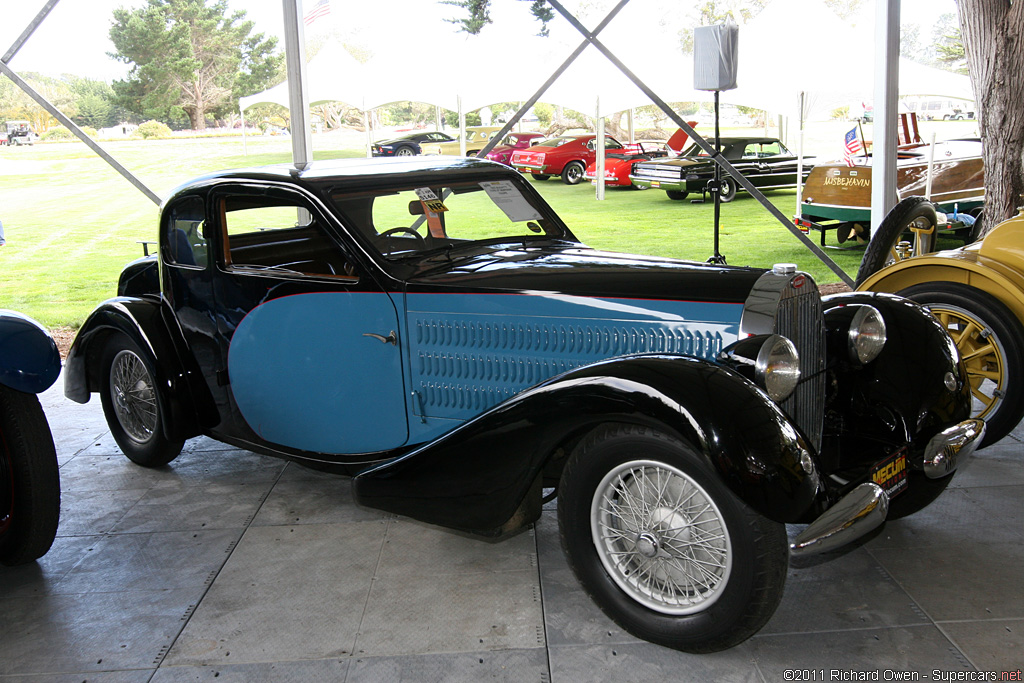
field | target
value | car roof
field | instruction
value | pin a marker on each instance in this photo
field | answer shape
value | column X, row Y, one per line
column 359, row 169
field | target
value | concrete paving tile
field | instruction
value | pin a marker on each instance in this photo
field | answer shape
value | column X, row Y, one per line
column 990, row 645
column 899, row 651
column 847, row 591
column 109, row 473
column 285, row 593
column 969, row 580
column 411, row 547
column 511, row 666
column 643, row 662
column 998, row 465
column 41, row 577
column 1004, row 506
column 420, row 612
column 94, row 512
column 90, row 631
column 570, row 616
column 953, row 517
column 305, row 496
column 139, row 676
column 148, row 562
column 221, row 506
column 272, row 672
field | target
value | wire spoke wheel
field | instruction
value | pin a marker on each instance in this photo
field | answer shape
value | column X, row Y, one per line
column 982, row 353
column 661, row 537
column 134, row 396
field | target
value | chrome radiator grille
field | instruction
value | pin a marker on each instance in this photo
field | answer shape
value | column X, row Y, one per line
column 799, row 317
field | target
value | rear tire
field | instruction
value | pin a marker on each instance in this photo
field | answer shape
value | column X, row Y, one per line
column 29, row 479
column 133, row 405
column 692, row 568
column 728, row 190
column 573, row 172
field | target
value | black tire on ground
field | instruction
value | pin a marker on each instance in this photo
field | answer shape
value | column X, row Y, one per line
column 694, row 569
column 990, row 339
column 405, row 151
column 881, row 249
column 677, row 195
column 573, row 172
column 29, row 479
column 728, row 189
column 132, row 404
column 539, row 176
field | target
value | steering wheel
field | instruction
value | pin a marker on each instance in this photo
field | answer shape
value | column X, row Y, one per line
column 420, row 242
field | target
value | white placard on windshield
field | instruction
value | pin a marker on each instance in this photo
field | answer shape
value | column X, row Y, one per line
column 510, row 200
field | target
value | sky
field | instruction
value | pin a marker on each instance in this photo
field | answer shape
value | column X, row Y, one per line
column 74, row 37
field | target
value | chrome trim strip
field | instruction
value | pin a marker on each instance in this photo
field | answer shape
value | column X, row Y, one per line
column 861, row 510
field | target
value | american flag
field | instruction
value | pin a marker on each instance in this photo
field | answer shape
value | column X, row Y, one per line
column 852, row 146
column 320, row 9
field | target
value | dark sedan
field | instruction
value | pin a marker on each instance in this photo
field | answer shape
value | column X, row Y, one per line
column 765, row 162
column 407, row 145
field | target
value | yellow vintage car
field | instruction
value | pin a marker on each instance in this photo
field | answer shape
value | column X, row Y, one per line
column 977, row 292
column 476, row 138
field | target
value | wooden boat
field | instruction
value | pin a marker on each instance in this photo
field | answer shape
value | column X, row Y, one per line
column 837, row 196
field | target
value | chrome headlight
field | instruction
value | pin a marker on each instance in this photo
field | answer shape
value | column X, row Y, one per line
column 866, row 337
column 777, row 368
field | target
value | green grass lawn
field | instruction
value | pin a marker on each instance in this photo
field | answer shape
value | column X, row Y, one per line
column 72, row 222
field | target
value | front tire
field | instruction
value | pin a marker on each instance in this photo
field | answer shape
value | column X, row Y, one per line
column 573, row 172
column 991, row 342
column 539, row 176
column 663, row 546
column 29, row 479
column 677, row 195
column 882, row 250
column 133, row 405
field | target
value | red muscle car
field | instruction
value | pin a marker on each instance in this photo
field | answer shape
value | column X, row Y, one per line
column 502, row 152
column 567, row 155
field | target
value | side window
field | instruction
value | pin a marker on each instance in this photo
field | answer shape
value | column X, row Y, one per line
column 185, row 245
column 278, row 234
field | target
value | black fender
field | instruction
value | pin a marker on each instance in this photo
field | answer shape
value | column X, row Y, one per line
column 29, row 359
column 187, row 406
column 899, row 399
column 475, row 477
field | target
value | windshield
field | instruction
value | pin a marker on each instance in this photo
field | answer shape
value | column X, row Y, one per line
column 407, row 222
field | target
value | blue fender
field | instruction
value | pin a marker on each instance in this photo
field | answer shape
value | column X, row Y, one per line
column 475, row 477
column 29, row 359
column 187, row 406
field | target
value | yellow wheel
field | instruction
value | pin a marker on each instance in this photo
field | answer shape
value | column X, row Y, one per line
column 989, row 338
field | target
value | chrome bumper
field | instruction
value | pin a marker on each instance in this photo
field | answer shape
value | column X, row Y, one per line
column 946, row 449
column 861, row 510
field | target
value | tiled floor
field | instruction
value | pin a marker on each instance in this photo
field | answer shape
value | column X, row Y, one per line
column 237, row 567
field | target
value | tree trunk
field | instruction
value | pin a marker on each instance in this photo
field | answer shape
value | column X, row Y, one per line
column 993, row 34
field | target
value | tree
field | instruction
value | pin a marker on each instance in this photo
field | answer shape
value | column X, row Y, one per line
column 949, row 44
column 478, row 14
column 189, row 56
column 992, row 33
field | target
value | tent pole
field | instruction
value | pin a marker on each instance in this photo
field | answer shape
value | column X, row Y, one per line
column 245, row 150
column 800, row 157
column 462, row 127
column 298, row 97
column 883, row 156
column 599, row 141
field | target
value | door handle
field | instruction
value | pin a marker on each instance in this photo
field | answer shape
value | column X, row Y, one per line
column 392, row 338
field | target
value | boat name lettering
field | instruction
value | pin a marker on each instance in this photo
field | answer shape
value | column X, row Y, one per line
column 848, row 182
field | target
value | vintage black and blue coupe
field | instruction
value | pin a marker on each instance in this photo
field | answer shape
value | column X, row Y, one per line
column 433, row 329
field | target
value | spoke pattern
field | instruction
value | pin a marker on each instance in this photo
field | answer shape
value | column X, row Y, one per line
column 661, row 537
column 133, row 396
column 981, row 353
